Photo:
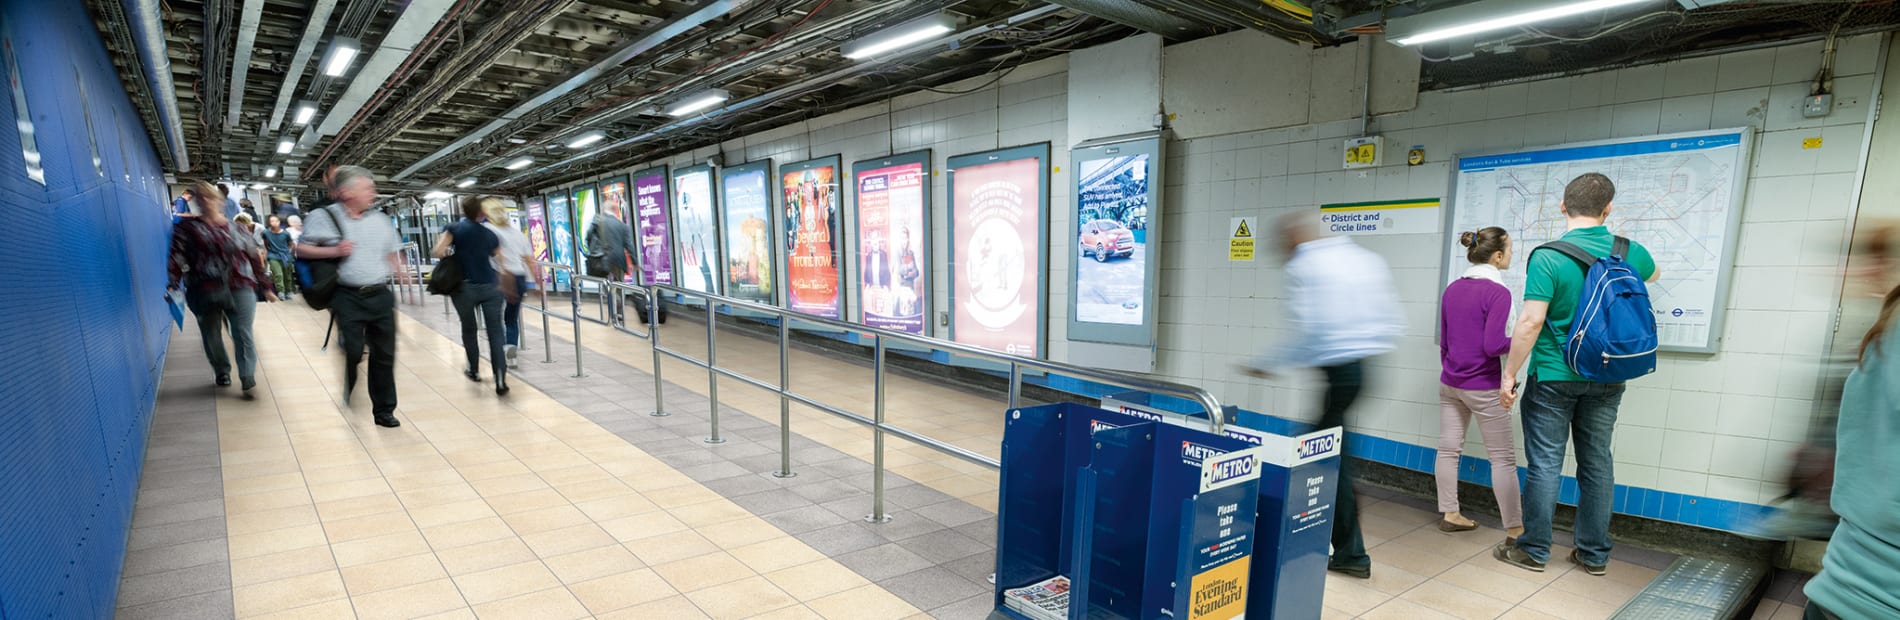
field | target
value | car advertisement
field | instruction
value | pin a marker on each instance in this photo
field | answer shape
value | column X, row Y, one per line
column 656, row 251
column 997, row 212
column 561, row 235
column 613, row 202
column 1111, row 239
column 537, row 226
column 586, row 205
column 748, row 235
column 696, row 231
column 893, row 277
column 813, row 247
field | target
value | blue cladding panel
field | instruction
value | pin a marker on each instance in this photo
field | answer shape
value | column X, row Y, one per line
column 85, row 329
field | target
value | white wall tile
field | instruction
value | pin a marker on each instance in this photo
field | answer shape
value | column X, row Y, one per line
column 1636, row 119
column 1744, row 69
column 1689, row 77
column 1687, row 113
column 1692, row 411
column 1797, row 63
column 1734, row 489
column 1639, row 83
column 1790, row 420
column 1637, row 445
column 1746, row 416
column 1738, row 457
column 1745, row 107
column 1687, row 450
column 1679, row 481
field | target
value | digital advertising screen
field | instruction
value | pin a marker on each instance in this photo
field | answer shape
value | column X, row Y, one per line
column 814, row 243
column 537, row 230
column 1116, row 189
column 614, row 203
column 586, row 206
column 656, row 247
column 998, row 209
column 560, row 234
column 893, row 251
column 695, row 226
column 750, row 266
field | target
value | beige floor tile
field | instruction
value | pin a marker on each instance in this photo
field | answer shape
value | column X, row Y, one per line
column 267, row 520
column 415, row 601
column 333, row 491
column 344, row 473
column 801, row 612
column 506, row 582
column 527, row 500
column 775, row 554
column 1391, row 579
column 616, row 507
column 568, row 540
column 266, row 500
column 282, row 565
column 1352, row 596
column 274, row 482
column 424, row 480
column 327, row 610
column 379, row 548
column 388, row 574
column 1507, row 588
column 455, row 614
column 703, row 571
column 679, row 496
column 480, row 557
column 431, row 515
column 744, row 598
column 593, row 564
column 670, row 547
column 735, row 534
column 346, row 530
column 591, row 490
column 645, row 525
column 709, row 513
column 467, row 533
column 1526, row 613
column 1569, row 606
column 545, row 520
column 815, row 580
column 621, row 590
column 508, row 485
column 1456, row 601
column 289, row 593
column 276, row 541
column 1423, row 563
column 359, row 507
column 863, row 603
column 447, row 494
column 1401, row 609
column 676, row 607
column 550, row 604
column 497, row 469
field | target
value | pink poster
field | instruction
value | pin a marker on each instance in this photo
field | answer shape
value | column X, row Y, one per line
column 996, row 209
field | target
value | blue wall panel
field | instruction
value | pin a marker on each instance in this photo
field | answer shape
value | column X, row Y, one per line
column 85, row 327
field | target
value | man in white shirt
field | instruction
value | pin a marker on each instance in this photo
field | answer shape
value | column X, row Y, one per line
column 364, row 306
column 1342, row 309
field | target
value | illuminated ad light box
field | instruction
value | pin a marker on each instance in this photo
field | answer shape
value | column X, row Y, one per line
column 695, row 225
column 650, row 228
column 814, row 238
column 1117, row 189
column 586, row 206
column 537, row 230
column 615, row 202
column 999, row 208
column 561, row 234
column 893, row 242
column 751, row 264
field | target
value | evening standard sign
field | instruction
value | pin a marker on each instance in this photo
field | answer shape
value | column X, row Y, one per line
column 1390, row 217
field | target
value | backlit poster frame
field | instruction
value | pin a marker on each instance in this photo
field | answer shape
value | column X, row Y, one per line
column 536, row 228
column 653, row 229
column 876, row 222
column 981, row 197
column 586, row 205
column 804, row 226
column 1095, row 186
column 561, row 234
column 735, row 221
column 616, row 202
column 696, row 230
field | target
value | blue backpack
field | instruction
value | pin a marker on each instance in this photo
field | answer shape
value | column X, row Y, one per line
column 1612, row 335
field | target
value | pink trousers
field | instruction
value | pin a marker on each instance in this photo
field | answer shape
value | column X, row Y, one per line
column 1456, row 408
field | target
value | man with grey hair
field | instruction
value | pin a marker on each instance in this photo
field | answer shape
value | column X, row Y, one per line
column 364, row 307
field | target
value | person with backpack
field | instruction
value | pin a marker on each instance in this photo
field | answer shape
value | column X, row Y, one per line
column 364, row 247
column 1473, row 336
column 1581, row 349
column 609, row 251
column 222, row 275
column 474, row 249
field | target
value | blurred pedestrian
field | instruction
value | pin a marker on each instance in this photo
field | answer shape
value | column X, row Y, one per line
column 245, row 207
column 1473, row 336
column 610, row 250
column 1342, row 309
column 222, row 277
column 364, row 307
column 277, row 254
column 181, row 206
column 516, row 265
column 230, row 206
column 475, row 249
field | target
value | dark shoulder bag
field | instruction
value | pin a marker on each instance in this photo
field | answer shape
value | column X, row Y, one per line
column 447, row 277
column 317, row 276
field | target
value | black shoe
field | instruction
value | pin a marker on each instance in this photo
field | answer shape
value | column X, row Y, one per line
column 224, row 380
column 1508, row 553
column 1593, row 569
column 1362, row 572
column 472, row 375
column 388, row 421
column 247, row 395
column 501, row 387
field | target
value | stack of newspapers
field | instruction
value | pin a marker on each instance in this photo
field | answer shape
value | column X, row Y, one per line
column 1046, row 600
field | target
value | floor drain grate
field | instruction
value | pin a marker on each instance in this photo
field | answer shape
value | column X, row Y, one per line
column 1696, row 588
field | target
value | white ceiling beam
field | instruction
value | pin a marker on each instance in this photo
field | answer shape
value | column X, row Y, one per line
column 241, row 63
column 312, row 32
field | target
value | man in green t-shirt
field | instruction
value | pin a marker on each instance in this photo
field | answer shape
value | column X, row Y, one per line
column 1559, row 405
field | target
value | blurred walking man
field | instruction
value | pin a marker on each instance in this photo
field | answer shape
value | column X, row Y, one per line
column 364, row 306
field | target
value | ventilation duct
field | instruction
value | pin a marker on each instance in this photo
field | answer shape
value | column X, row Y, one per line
column 1133, row 14
column 149, row 34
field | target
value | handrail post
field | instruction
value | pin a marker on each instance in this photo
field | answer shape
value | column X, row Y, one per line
column 653, row 338
column 712, row 369
column 877, row 436
column 576, row 296
column 784, row 398
column 1015, row 384
column 547, row 337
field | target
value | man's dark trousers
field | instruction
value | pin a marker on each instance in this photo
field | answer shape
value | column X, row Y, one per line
column 1343, row 383
column 366, row 316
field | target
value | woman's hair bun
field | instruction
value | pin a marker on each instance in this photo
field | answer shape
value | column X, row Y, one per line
column 1467, row 238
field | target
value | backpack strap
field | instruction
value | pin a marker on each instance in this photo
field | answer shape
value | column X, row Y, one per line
column 1620, row 248
column 1566, row 248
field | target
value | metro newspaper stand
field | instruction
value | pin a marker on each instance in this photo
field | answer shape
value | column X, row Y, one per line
column 1149, row 503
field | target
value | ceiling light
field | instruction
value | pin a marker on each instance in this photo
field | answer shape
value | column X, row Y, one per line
column 305, row 111
column 437, row 195
column 466, row 183
column 259, row 186
column 342, row 51
column 586, row 139
column 699, row 102
column 1480, row 17
column 270, row 173
column 283, row 148
column 519, row 163
column 517, row 141
column 900, row 36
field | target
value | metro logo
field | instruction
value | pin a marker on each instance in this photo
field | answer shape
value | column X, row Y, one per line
column 1238, row 465
column 1318, row 445
column 1196, row 452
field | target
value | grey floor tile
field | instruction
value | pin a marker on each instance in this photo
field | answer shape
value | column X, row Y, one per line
column 954, row 513
column 179, row 495
column 148, row 516
column 973, row 608
column 943, row 546
column 714, row 471
column 769, row 502
column 186, row 555
column 984, row 530
column 734, row 450
column 742, row 485
column 829, row 490
column 172, row 584
column 915, row 495
column 883, row 561
column 976, row 568
column 841, row 539
column 688, row 458
column 905, row 524
column 932, row 587
column 808, row 518
column 208, row 605
column 176, row 533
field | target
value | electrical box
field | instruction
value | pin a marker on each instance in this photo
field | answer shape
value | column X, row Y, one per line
column 1362, row 152
column 1816, row 106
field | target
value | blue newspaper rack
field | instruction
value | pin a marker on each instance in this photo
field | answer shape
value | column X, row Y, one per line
column 1147, row 520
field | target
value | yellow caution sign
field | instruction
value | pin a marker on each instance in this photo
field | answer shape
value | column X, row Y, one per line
column 1240, row 244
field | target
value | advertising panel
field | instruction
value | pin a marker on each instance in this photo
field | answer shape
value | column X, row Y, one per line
column 998, row 207
column 751, row 267
column 613, row 202
column 586, row 206
column 560, row 234
column 893, row 251
column 537, row 230
column 696, row 229
column 1117, row 191
column 656, row 249
column 814, row 247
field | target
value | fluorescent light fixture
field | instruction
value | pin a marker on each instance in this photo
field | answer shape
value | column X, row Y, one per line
column 900, row 36
column 270, row 173
column 699, row 102
column 519, row 163
column 342, row 51
column 517, row 141
column 305, row 111
column 283, row 148
column 586, row 139
column 435, row 195
column 259, row 186
column 466, row 183
column 1481, row 17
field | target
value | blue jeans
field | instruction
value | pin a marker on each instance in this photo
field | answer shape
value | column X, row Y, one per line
column 1583, row 412
column 511, row 314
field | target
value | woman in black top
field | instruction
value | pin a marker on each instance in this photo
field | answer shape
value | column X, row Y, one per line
column 474, row 249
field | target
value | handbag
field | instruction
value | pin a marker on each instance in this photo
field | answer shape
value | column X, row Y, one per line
column 446, row 278
column 316, row 277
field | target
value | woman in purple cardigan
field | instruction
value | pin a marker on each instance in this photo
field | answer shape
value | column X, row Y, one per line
column 1473, row 335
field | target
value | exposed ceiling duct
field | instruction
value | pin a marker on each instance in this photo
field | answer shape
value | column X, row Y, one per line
column 241, row 62
column 312, row 32
column 417, row 21
column 1137, row 15
column 155, row 63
